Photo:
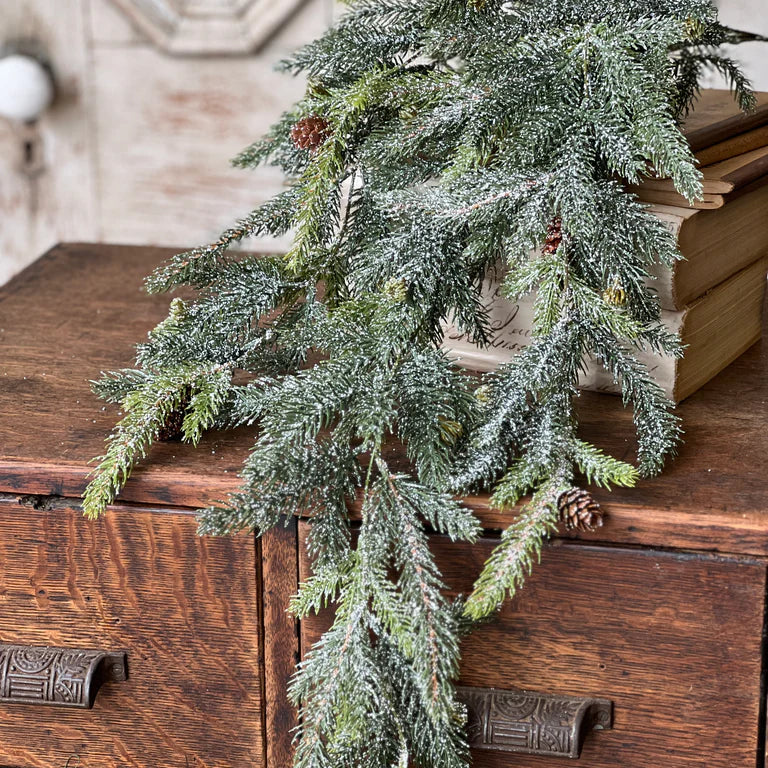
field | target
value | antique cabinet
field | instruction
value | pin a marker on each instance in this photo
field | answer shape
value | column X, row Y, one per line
column 651, row 628
column 202, row 622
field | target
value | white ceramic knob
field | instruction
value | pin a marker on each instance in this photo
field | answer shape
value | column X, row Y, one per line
column 26, row 88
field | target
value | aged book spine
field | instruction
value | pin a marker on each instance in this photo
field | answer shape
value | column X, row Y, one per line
column 716, row 118
column 724, row 177
column 707, row 202
column 737, row 145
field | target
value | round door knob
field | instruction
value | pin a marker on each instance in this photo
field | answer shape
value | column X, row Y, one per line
column 26, row 87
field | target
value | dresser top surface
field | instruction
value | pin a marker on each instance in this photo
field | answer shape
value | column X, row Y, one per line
column 80, row 310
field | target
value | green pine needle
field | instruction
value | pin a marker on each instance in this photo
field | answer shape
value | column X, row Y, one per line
column 459, row 131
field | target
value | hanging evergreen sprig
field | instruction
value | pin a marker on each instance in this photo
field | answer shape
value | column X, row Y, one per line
column 440, row 143
column 149, row 402
column 378, row 685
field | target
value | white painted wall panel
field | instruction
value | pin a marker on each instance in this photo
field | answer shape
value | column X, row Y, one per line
column 137, row 146
column 166, row 134
column 751, row 15
column 51, row 199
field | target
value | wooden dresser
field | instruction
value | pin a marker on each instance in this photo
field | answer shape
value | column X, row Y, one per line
column 654, row 625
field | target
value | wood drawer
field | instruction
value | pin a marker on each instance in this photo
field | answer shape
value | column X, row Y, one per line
column 674, row 640
column 184, row 608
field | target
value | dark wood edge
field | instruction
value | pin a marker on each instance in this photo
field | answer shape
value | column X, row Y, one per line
column 671, row 527
column 762, row 725
column 675, row 526
column 153, row 485
column 747, row 174
column 279, row 569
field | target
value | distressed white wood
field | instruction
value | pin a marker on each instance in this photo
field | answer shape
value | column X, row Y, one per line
column 210, row 7
column 110, row 26
column 206, row 27
column 54, row 201
column 136, row 148
column 167, row 128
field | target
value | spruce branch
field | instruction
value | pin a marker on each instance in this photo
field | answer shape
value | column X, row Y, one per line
column 440, row 144
column 114, row 386
column 147, row 409
column 199, row 267
column 601, row 469
column 405, row 618
column 514, row 557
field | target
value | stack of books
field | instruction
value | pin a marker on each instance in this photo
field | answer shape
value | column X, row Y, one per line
column 714, row 297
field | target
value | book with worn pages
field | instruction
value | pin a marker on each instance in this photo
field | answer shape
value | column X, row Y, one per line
column 722, row 181
column 716, row 328
column 716, row 118
column 731, row 148
column 712, row 298
column 714, row 245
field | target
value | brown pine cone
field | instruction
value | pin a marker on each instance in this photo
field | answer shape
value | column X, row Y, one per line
column 554, row 236
column 172, row 429
column 310, row 132
column 579, row 511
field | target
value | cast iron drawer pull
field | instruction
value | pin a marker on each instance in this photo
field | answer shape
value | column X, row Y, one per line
column 63, row 677
column 533, row 723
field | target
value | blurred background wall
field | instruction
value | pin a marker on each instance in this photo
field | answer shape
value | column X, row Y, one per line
column 751, row 15
column 154, row 97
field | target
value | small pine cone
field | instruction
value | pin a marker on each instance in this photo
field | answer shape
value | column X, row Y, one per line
column 310, row 132
column 554, row 236
column 579, row 511
column 171, row 430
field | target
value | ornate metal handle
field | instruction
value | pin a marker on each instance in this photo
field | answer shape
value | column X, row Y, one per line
column 63, row 677
column 532, row 723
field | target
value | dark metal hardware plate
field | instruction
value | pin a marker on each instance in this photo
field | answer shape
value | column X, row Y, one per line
column 532, row 723
column 62, row 677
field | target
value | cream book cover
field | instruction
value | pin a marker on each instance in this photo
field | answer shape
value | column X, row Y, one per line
column 716, row 329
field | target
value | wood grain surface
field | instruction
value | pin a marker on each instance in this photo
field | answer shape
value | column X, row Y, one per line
column 184, row 608
column 80, row 310
column 76, row 312
column 279, row 577
column 673, row 640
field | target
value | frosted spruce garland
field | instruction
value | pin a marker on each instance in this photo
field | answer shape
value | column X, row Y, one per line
column 437, row 138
